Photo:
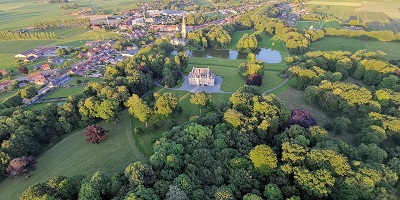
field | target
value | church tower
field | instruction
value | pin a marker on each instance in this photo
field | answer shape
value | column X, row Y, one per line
column 184, row 30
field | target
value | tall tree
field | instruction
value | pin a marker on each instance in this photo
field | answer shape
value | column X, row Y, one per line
column 166, row 104
column 138, row 108
column 201, row 99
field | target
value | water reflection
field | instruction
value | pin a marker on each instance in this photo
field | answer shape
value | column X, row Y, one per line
column 263, row 54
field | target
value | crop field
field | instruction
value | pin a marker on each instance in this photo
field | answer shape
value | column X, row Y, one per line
column 378, row 14
column 349, row 44
column 23, row 13
column 74, row 156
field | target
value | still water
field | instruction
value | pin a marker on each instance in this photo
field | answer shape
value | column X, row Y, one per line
column 263, row 54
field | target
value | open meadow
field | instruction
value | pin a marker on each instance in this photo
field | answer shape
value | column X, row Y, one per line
column 74, row 156
column 65, row 92
column 349, row 44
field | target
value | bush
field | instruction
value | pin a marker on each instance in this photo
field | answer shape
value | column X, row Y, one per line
column 138, row 130
column 254, row 79
column 153, row 126
column 193, row 118
column 328, row 126
column 170, row 123
column 78, row 81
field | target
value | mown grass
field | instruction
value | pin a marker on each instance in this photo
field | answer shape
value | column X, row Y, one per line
column 65, row 92
column 5, row 95
column 74, row 156
column 349, row 44
column 305, row 25
column 83, row 79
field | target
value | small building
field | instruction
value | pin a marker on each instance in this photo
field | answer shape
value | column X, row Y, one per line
column 3, row 71
column 55, row 60
column 130, row 53
column 178, row 41
column 59, row 81
column 4, row 85
column 46, row 67
column 201, row 77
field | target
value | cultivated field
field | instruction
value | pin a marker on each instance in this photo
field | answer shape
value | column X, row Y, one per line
column 378, row 14
column 74, row 156
column 305, row 25
column 348, row 44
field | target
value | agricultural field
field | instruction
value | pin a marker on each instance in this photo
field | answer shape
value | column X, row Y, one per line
column 23, row 13
column 74, row 156
column 349, row 44
column 331, row 24
column 65, row 92
column 379, row 14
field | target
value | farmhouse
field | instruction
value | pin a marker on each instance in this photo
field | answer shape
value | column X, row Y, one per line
column 201, row 77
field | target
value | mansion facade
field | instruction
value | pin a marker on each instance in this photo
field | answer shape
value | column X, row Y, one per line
column 201, row 77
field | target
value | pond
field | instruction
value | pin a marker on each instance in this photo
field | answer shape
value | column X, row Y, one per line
column 263, row 54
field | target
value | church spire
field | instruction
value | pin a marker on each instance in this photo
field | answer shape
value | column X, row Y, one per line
column 184, row 30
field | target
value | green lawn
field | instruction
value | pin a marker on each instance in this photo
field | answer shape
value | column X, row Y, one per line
column 307, row 24
column 236, row 37
column 40, row 106
column 331, row 24
column 5, row 95
column 84, row 79
column 73, row 156
column 349, row 44
column 65, row 92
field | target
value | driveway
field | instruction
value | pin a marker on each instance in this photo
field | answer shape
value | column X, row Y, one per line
column 193, row 88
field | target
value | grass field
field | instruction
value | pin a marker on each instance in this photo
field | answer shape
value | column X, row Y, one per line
column 40, row 106
column 5, row 95
column 305, row 25
column 348, row 44
column 65, row 92
column 74, row 156
column 83, row 79
column 331, row 24
column 293, row 98
column 227, row 69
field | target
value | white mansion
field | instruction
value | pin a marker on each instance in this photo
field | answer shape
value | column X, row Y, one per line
column 201, row 77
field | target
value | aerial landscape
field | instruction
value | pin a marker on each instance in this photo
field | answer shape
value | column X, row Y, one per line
column 199, row 99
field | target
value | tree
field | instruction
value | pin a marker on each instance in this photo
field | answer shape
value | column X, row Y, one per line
column 21, row 166
column 28, row 92
column 138, row 108
column 166, row 104
column 201, row 99
column 95, row 134
column 302, row 118
column 264, row 159
column 175, row 193
column 340, row 124
column 140, row 174
column 273, row 192
column 250, row 196
column 254, row 79
column 23, row 70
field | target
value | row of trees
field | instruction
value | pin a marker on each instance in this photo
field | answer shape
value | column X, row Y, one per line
column 247, row 150
column 73, row 22
column 384, row 35
column 213, row 36
column 12, row 35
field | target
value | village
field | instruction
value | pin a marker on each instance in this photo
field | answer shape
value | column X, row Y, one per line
column 132, row 24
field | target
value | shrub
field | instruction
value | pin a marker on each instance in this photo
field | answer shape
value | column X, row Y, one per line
column 302, row 118
column 153, row 126
column 138, row 130
column 254, row 79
